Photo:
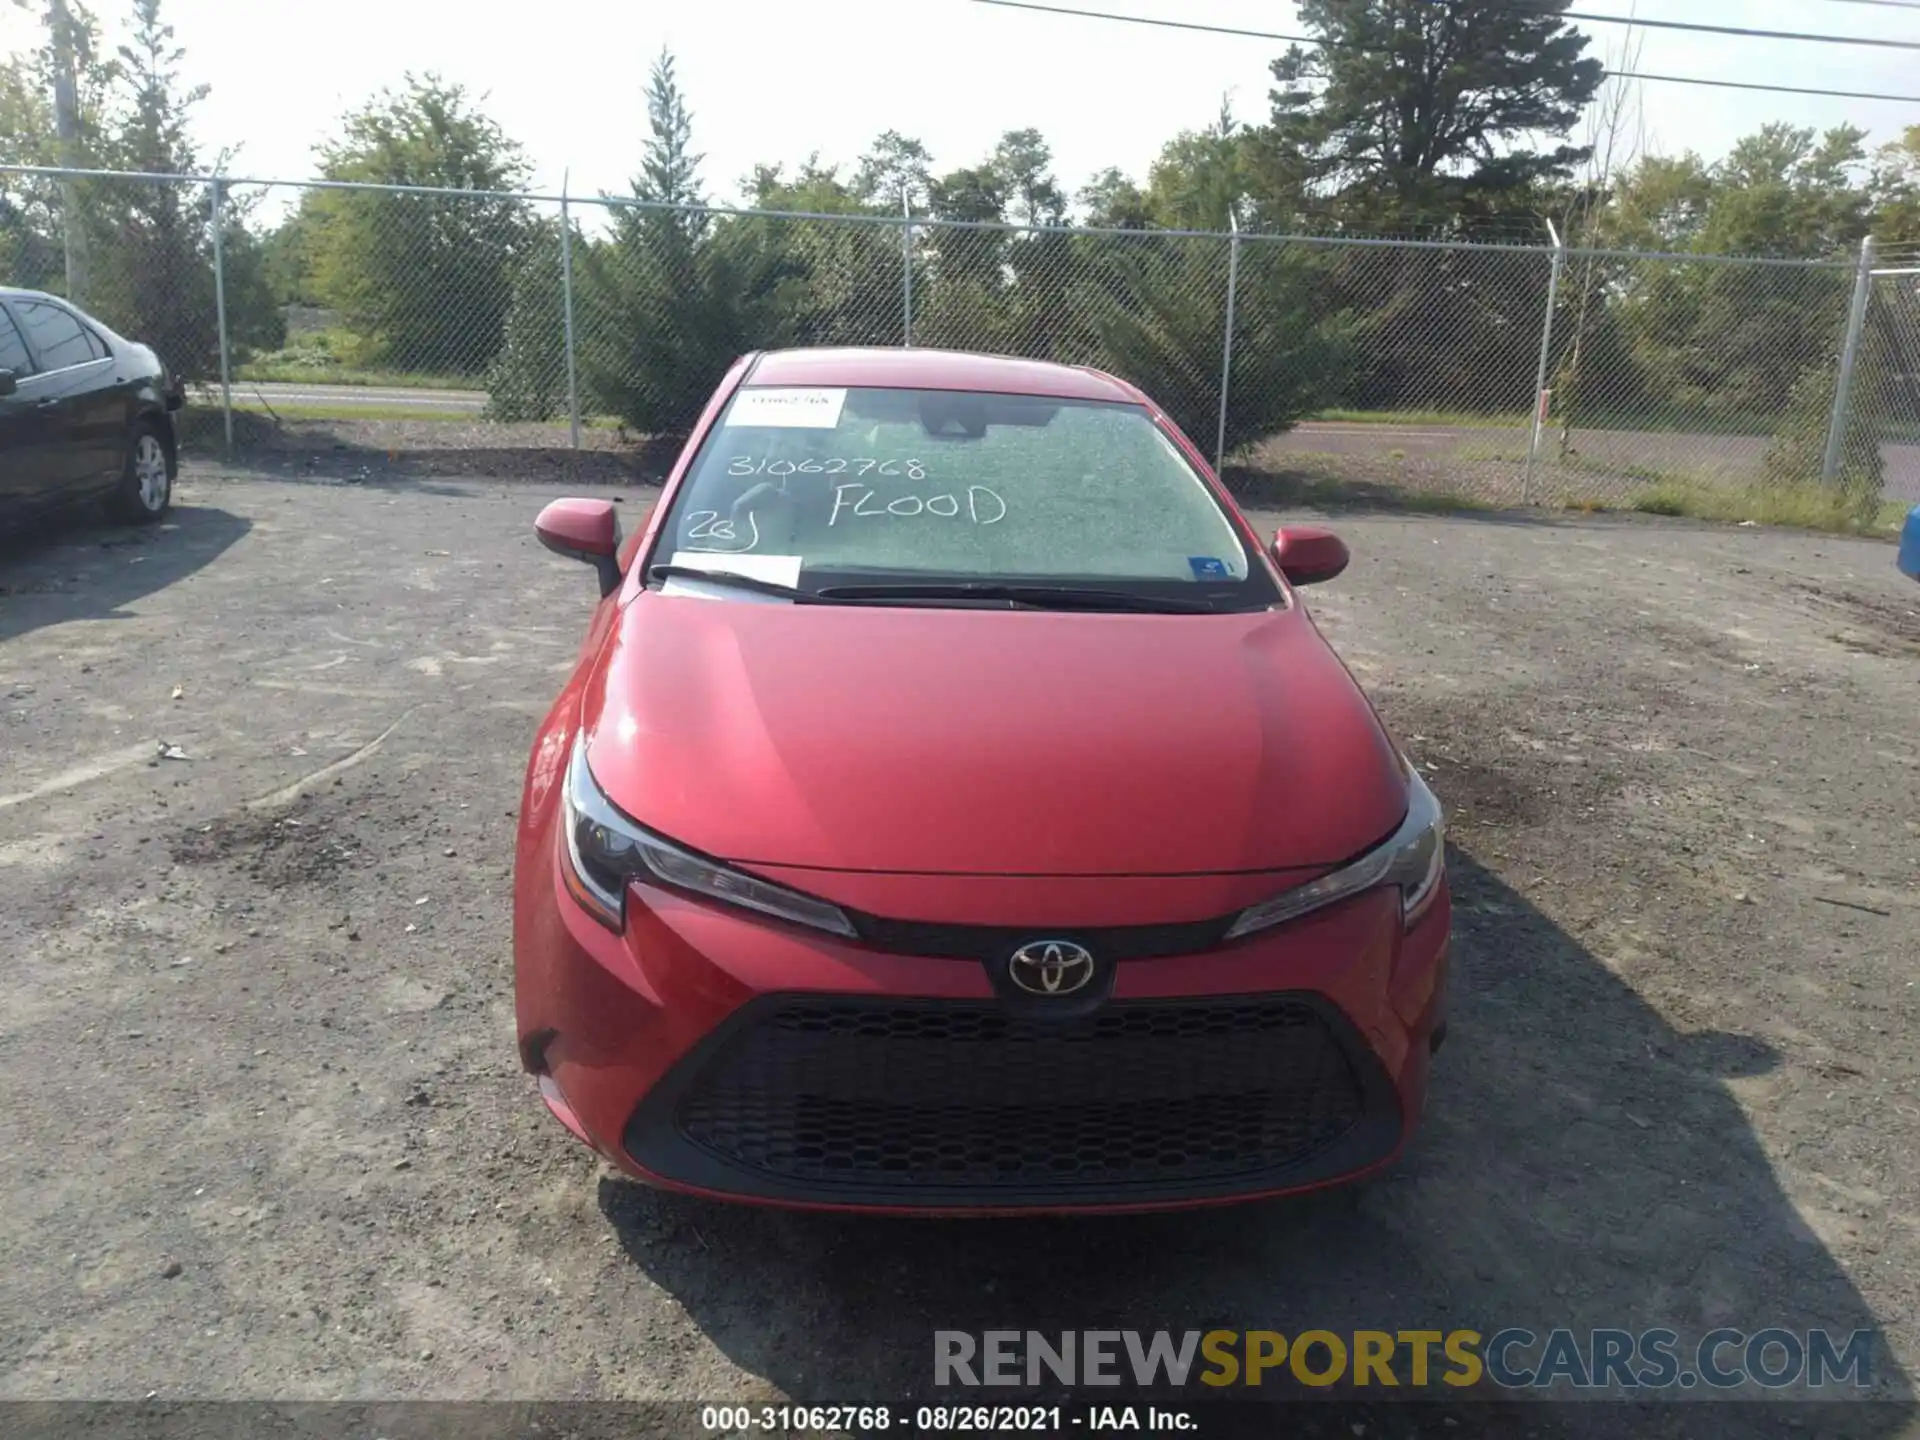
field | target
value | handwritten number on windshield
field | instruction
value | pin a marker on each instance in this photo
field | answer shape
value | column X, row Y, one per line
column 742, row 466
column 707, row 525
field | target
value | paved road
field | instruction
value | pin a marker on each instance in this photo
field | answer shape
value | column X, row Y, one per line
column 363, row 397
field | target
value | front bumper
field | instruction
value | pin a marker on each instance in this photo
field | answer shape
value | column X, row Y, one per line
column 706, row 1051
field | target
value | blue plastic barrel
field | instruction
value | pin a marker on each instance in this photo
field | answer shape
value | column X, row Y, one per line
column 1910, row 544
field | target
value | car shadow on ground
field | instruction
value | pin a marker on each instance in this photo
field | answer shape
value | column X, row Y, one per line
column 1583, row 1165
column 81, row 571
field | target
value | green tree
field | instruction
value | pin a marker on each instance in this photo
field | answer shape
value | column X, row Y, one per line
column 1162, row 327
column 1663, row 203
column 34, row 211
column 1894, row 190
column 1200, row 176
column 153, row 268
column 528, row 378
column 846, row 276
column 1447, row 117
column 287, row 253
column 669, row 170
column 1111, row 201
column 1734, row 344
column 1023, row 161
column 426, row 279
column 30, row 252
column 814, row 187
column 990, row 287
column 1787, row 191
column 673, row 297
column 149, row 243
column 895, row 167
column 1428, row 112
column 972, row 196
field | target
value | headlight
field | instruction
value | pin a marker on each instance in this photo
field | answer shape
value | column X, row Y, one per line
column 1414, row 859
column 605, row 850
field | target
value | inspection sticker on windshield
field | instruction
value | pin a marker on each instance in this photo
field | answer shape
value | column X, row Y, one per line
column 1206, row 567
column 811, row 409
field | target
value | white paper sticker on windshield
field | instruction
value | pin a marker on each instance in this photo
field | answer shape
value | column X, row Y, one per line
column 777, row 569
column 787, row 409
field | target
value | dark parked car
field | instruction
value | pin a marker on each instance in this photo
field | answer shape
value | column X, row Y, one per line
column 85, row 415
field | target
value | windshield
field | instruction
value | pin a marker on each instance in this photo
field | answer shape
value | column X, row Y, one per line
column 911, row 487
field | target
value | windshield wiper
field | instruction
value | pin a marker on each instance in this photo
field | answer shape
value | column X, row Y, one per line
column 1023, row 597
column 1037, row 597
column 737, row 582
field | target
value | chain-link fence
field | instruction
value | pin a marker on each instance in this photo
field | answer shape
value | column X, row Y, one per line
column 1884, row 411
column 463, row 325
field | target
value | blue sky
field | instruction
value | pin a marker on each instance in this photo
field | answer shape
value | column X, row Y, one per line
column 776, row 81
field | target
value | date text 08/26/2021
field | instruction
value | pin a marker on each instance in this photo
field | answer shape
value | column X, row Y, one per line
column 945, row 1419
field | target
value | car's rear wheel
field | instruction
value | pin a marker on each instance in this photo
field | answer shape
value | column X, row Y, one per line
column 146, row 483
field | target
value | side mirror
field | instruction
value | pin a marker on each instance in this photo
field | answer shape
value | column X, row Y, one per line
column 1309, row 554
column 586, row 530
column 9, row 382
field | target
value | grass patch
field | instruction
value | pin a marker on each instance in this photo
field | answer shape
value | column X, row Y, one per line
column 340, row 357
column 1800, row 507
column 439, row 414
column 1288, row 489
column 348, row 411
column 1457, row 419
column 1670, row 422
column 266, row 372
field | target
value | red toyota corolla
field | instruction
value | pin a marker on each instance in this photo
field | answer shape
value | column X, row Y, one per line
column 955, row 810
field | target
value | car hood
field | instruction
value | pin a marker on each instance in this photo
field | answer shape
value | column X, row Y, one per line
column 989, row 742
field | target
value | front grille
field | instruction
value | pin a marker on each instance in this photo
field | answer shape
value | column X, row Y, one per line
column 987, row 942
column 925, row 1102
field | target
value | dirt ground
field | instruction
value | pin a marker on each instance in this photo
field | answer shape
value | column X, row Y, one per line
column 266, row 1136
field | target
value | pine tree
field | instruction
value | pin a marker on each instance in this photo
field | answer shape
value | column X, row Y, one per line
column 1420, row 112
column 672, row 298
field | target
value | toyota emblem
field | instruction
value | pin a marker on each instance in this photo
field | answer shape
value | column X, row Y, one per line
column 1051, row 967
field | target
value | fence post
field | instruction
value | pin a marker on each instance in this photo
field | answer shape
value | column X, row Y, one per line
column 566, row 303
column 1546, row 358
column 1226, row 356
column 219, row 219
column 906, row 265
column 1849, row 356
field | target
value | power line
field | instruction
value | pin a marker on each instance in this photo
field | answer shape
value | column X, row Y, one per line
column 1806, row 37
column 1739, row 30
column 1756, row 85
column 1613, row 74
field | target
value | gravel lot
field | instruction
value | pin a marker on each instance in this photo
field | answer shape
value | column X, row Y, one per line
column 266, row 1134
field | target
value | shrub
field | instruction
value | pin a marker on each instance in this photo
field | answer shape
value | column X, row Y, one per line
column 528, row 378
column 667, row 304
column 1798, row 453
column 1162, row 327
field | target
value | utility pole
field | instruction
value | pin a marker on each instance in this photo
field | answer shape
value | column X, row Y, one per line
column 66, row 126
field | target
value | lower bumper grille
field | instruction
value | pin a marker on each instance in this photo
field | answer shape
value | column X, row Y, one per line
column 937, row 1103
